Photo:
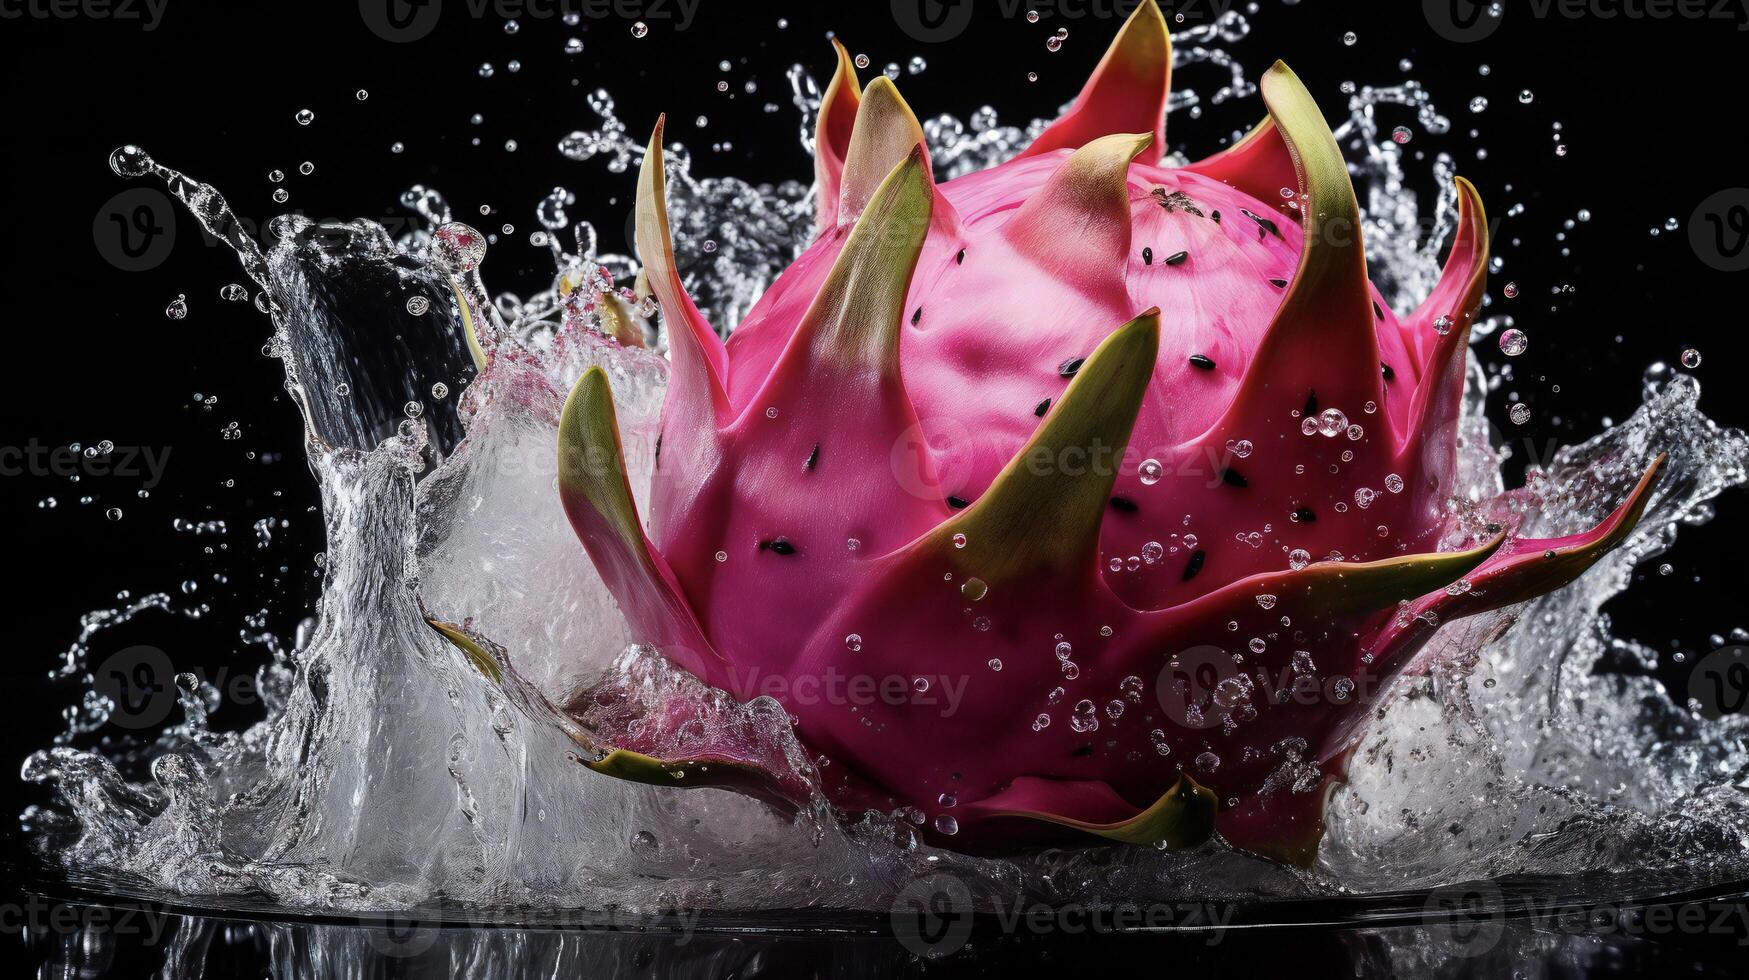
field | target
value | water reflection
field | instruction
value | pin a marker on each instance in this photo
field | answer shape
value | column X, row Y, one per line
column 1488, row 929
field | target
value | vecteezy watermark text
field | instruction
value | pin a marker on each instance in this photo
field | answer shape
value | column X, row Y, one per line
column 404, row 21
column 1473, row 20
column 147, row 13
column 35, row 459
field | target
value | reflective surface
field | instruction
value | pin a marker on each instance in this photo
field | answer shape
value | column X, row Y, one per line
column 1527, row 928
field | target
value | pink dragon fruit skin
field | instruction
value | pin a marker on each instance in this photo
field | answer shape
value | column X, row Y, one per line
column 1047, row 441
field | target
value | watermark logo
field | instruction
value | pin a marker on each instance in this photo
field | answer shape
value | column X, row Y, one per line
column 1189, row 679
column 137, row 681
column 932, row 917
column 932, row 21
column 1719, row 684
column 135, row 230
column 1463, row 21
column 1473, row 912
column 1719, row 230
column 400, row 21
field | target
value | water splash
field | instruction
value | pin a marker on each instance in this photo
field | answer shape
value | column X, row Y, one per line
column 388, row 774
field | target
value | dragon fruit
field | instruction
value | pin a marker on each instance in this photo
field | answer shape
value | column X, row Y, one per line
column 1133, row 457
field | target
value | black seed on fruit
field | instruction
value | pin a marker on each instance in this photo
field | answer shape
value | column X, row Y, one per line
column 916, row 316
column 1215, row 215
column 1068, row 368
column 1042, row 408
column 960, row 258
column 1123, row 504
column 1305, row 516
column 1264, row 225
column 1378, row 310
column 780, row 546
column 1147, row 256
column 1202, row 361
column 1194, row 565
column 658, row 460
column 1311, row 403
column 1278, row 283
column 1177, row 258
column 813, row 458
column 1233, row 478
column 958, row 503
column 1385, row 369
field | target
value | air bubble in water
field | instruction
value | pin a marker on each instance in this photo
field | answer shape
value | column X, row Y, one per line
column 1519, row 414
column 640, row 29
column 417, row 305
column 305, row 117
column 1514, row 342
column 1150, row 471
column 178, row 307
column 1691, row 358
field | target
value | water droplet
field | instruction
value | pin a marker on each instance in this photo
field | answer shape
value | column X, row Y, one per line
column 1084, row 719
column 974, row 589
column 1298, row 558
column 1510, row 290
column 1691, row 358
column 417, row 305
column 440, row 391
column 1349, row 38
column 853, row 642
column 959, row 541
column 640, row 29
column 1332, row 423
column 178, row 308
column 457, row 247
column 305, row 117
column 722, row 556
column 131, row 161
column 1042, row 722
column 1064, row 650
column 1266, row 601
column 862, row 61
column 1394, row 483
column 1152, row 552
column 1402, row 134
column 1479, row 104
column 1150, row 471
column 1519, row 414
column 994, row 664
column 1442, row 325
column 1527, row 96
column 1514, row 342
column 114, row 513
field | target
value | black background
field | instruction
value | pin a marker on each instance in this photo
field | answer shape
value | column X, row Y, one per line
column 1647, row 108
